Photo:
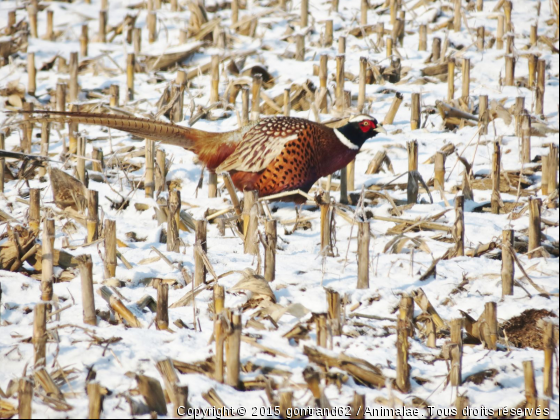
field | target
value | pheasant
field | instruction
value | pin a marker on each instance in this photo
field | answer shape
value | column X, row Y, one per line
column 274, row 155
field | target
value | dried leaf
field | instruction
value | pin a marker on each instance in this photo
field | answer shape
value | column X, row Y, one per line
column 400, row 245
column 479, row 377
column 294, row 309
column 67, row 190
column 268, row 79
column 254, row 283
column 421, row 245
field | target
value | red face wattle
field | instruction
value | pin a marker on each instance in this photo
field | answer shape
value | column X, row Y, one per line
column 367, row 125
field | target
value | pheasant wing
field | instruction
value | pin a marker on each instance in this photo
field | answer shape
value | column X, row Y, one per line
column 262, row 144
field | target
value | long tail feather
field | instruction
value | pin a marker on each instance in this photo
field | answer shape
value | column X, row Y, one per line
column 153, row 130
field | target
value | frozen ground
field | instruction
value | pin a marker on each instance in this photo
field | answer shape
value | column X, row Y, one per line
column 301, row 273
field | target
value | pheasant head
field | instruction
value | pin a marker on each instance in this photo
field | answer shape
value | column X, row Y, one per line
column 358, row 130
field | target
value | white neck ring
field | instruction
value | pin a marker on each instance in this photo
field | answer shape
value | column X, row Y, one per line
column 344, row 140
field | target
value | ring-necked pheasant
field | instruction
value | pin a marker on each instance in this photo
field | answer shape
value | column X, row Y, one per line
column 274, row 155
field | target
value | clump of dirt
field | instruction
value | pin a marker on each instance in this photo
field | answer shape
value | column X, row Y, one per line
column 522, row 330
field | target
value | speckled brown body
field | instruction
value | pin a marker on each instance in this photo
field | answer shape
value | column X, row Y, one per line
column 316, row 152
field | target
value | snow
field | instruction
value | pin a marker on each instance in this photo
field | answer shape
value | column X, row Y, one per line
column 301, row 274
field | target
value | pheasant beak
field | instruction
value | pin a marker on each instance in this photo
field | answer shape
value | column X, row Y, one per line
column 379, row 129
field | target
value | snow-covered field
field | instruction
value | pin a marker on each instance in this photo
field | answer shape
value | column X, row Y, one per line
column 302, row 274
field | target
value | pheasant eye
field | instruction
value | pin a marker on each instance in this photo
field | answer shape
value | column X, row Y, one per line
column 364, row 126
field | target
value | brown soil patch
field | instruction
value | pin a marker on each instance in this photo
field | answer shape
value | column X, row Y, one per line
column 522, row 330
